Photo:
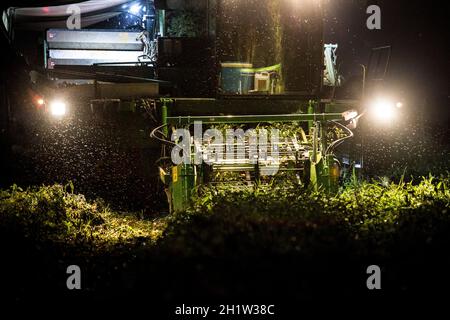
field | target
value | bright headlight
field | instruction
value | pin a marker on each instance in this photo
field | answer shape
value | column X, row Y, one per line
column 58, row 108
column 384, row 110
column 135, row 8
column 350, row 115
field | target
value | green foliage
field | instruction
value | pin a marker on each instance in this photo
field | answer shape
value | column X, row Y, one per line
column 286, row 217
column 185, row 24
column 282, row 217
column 55, row 213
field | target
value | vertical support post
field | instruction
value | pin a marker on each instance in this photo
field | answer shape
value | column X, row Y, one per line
column 45, row 54
column 315, row 142
column 324, row 142
column 363, row 93
column 164, row 115
column 314, row 130
column 162, row 22
column 327, row 160
column 311, row 110
column 323, row 136
column 363, row 99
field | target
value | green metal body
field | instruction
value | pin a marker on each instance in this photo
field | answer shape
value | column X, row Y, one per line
column 182, row 180
column 323, row 117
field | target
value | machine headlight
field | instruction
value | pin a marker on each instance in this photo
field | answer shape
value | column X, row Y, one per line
column 135, row 8
column 384, row 110
column 58, row 108
column 40, row 102
column 350, row 115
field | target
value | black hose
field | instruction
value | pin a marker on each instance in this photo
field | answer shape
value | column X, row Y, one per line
column 157, row 130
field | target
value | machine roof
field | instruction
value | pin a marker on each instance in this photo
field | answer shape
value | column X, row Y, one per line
column 53, row 14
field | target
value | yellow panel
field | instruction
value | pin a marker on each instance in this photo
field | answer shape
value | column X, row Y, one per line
column 174, row 174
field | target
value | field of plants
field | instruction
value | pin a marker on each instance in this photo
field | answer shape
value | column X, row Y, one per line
column 231, row 243
column 279, row 242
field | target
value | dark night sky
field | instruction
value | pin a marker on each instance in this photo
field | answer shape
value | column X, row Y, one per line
column 419, row 34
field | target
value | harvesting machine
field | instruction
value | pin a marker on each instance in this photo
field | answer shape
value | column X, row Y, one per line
column 240, row 67
column 260, row 65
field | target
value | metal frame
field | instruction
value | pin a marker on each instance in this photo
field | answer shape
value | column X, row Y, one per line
column 182, row 180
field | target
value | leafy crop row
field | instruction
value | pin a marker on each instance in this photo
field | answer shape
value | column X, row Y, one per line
column 282, row 218
column 55, row 213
